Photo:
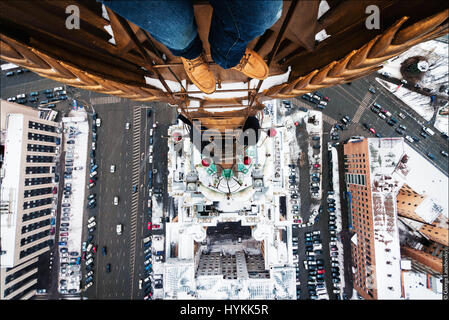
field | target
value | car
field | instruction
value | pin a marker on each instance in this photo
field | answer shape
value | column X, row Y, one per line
column 444, row 153
column 108, row 268
column 316, row 165
column 430, row 155
column 119, row 229
column 399, row 130
column 423, row 134
column 127, row 126
column 98, row 122
column 155, row 226
column 10, row 73
column 112, row 170
column 372, row 130
column 116, row 200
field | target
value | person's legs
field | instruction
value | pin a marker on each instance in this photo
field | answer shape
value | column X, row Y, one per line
column 235, row 23
column 171, row 23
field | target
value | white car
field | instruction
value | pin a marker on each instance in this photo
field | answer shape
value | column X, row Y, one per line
column 151, row 132
column 88, row 262
column 127, row 126
column 155, row 124
column 93, row 224
column 119, row 229
column 410, row 139
column 115, row 200
column 90, row 273
column 91, row 219
column 381, row 115
column 93, row 174
column 94, row 144
column 98, row 122
column 112, row 168
column 88, row 285
column 150, row 159
column 140, row 283
column 151, row 149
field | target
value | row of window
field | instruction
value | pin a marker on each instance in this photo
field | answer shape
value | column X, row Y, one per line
column 35, row 248
column 21, row 272
column 41, row 126
column 358, row 179
column 20, row 284
column 37, row 181
column 40, row 148
column 36, row 214
column 34, row 237
column 36, row 192
column 34, row 226
column 41, row 137
column 45, row 159
column 37, row 203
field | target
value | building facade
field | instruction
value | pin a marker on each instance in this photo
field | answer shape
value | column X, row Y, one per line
column 27, row 184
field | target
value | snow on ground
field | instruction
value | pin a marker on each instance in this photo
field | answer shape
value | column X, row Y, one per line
column 384, row 155
column 415, row 287
column 425, row 179
column 442, row 122
column 78, row 182
column 7, row 66
column 416, row 101
column 437, row 55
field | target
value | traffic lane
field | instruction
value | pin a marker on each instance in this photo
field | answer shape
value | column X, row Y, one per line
column 16, row 79
column 105, row 284
column 424, row 146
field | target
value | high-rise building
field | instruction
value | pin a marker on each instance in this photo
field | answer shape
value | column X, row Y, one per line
column 373, row 215
column 29, row 153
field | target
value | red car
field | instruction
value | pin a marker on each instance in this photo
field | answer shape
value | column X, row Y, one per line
column 94, row 249
column 297, row 221
column 55, row 190
column 156, row 226
column 83, row 256
column 316, row 165
column 64, row 234
column 149, row 226
column 372, row 130
column 320, row 271
column 326, row 98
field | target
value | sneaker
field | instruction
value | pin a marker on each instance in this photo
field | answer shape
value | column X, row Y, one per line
column 252, row 65
column 198, row 71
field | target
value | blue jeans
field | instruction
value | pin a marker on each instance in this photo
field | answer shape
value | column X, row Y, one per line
column 234, row 24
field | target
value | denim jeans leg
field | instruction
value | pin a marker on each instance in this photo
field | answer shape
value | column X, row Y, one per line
column 171, row 23
column 235, row 23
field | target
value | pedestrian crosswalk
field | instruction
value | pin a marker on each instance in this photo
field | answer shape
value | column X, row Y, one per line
column 362, row 107
column 135, row 176
column 105, row 100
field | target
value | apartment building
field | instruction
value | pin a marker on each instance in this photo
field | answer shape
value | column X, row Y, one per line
column 29, row 153
column 373, row 217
